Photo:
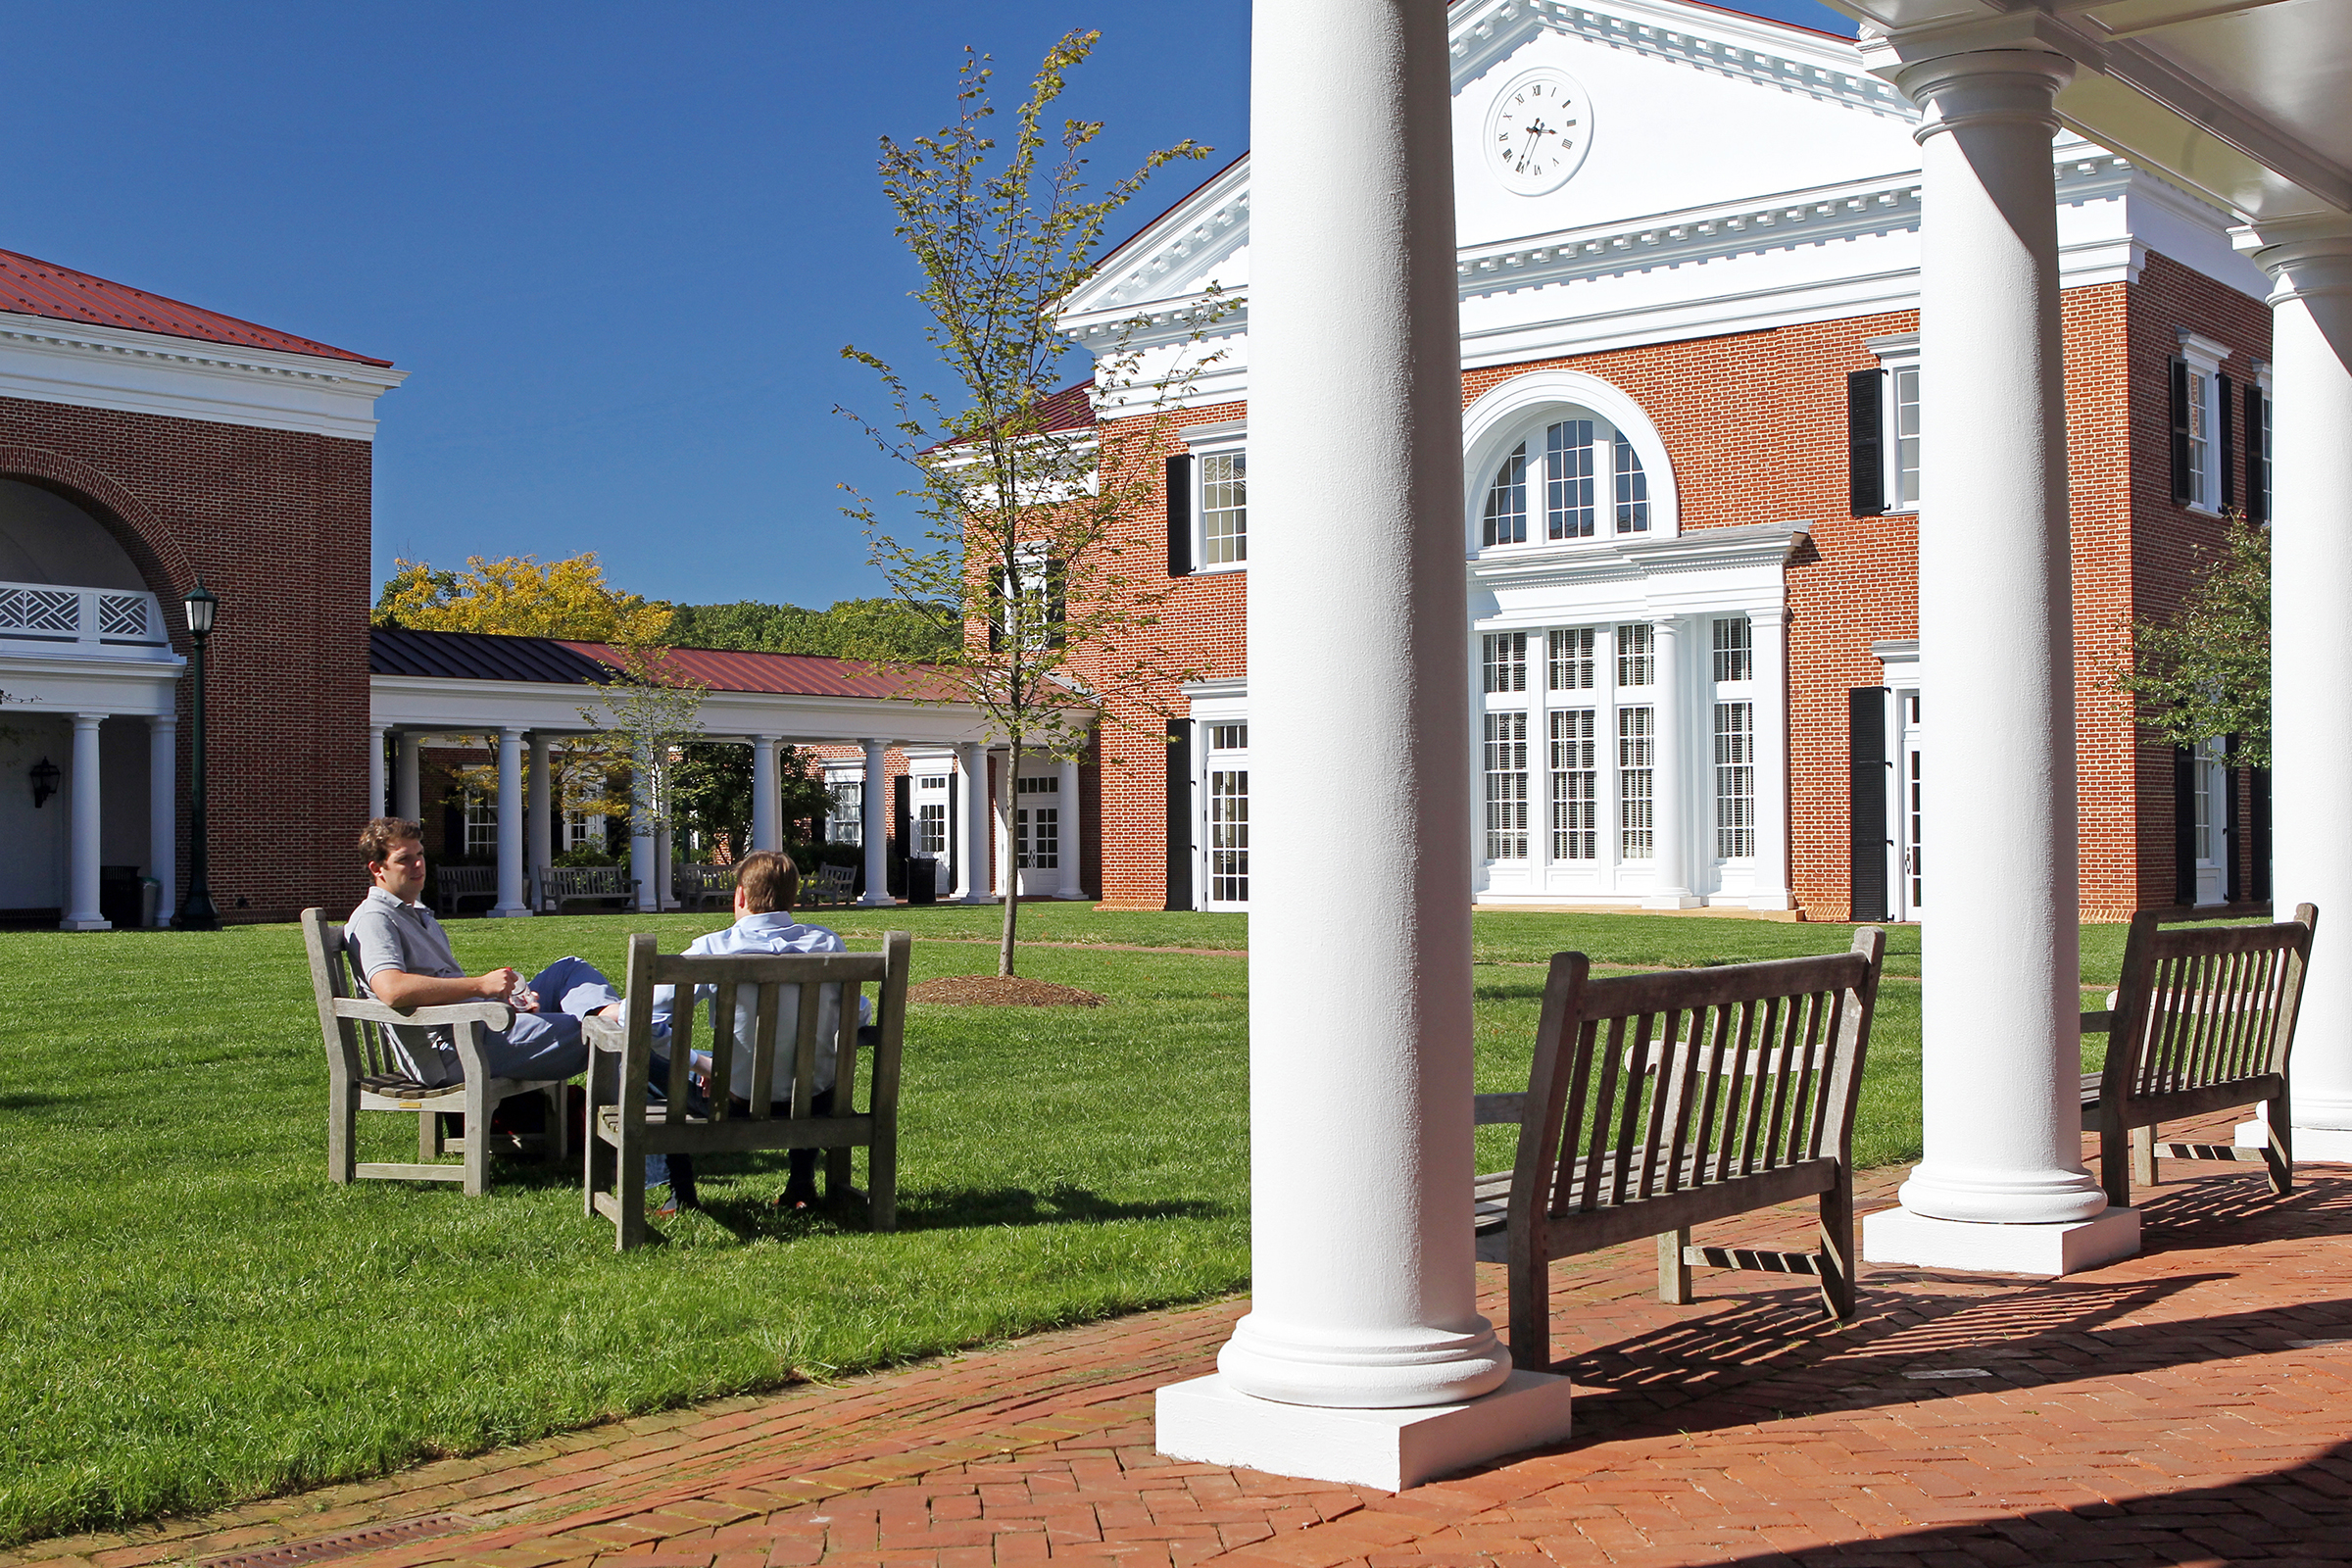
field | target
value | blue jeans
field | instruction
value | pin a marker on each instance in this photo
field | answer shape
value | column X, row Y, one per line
column 547, row 1044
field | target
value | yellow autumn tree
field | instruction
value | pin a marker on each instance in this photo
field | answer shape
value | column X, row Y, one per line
column 519, row 595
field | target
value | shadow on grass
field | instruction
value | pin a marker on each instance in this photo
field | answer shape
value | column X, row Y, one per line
column 748, row 1210
column 29, row 1102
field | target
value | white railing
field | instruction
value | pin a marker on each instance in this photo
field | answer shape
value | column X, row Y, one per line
column 38, row 618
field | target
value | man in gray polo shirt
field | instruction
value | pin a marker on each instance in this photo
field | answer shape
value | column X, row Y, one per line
column 402, row 955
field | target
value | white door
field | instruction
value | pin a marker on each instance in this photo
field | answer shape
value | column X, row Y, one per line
column 1037, row 833
column 1224, row 829
column 1910, row 893
column 2209, row 784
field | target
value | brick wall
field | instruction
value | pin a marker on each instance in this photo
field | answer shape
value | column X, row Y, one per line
column 277, row 523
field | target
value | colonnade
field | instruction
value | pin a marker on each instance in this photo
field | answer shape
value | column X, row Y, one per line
column 85, row 818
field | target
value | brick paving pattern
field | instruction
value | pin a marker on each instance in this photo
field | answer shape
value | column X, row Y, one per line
column 2188, row 1405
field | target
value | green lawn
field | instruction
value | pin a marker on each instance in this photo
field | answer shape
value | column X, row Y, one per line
column 190, row 1314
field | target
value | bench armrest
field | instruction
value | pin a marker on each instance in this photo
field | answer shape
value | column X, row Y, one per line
column 491, row 1014
column 2098, row 1022
column 604, row 1034
column 1494, row 1110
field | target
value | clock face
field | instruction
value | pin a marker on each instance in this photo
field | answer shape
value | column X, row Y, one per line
column 1538, row 130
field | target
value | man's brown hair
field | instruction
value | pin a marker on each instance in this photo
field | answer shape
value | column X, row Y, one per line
column 769, row 881
column 380, row 835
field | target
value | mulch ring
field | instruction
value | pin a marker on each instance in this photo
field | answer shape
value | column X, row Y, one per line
column 1000, row 991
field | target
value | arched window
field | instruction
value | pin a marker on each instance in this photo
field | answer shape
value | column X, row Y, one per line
column 1587, row 476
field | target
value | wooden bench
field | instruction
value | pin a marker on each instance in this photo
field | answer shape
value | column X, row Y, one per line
column 453, row 885
column 607, row 886
column 364, row 1073
column 700, row 887
column 831, row 885
column 1660, row 1101
column 621, row 1118
column 2203, row 1022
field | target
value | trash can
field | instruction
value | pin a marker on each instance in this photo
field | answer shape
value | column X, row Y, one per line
column 118, row 895
column 151, row 900
column 923, row 879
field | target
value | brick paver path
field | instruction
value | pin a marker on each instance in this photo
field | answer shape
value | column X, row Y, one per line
column 2189, row 1405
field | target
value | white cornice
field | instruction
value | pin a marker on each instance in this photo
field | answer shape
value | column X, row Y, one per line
column 1759, row 544
column 49, row 360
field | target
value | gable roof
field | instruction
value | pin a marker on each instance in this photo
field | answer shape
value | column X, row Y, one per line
column 551, row 661
column 31, row 288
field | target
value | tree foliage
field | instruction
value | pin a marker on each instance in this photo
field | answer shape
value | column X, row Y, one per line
column 521, row 596
column 2205, row 671
column 1020, row 561
column 880, row 629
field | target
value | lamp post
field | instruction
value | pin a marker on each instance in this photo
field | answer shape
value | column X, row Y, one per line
column 196, row 912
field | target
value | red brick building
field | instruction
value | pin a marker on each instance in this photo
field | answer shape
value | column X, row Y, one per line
column 144, row 445
column 1691, row 519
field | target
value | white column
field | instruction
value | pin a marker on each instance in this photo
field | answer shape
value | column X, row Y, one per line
column 2310, row 262
column 2002, row 1184
column 641, row 833
column 1768, row 630
column 162, row 812
column 509, row 824
column 407, row 797
column 1364, row 1308
column 1073, row 879
column 971, row 869
column 768, row 805
column 81, row 876
column 375, row 769
column 542, row 845
column 874, row 816
column 1670, row 776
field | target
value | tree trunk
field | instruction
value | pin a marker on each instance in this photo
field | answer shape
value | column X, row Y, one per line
column 1005, row 854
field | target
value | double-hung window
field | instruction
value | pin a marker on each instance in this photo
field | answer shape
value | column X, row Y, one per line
column 1504, row 660
column 1224, row 508
column 1507, row 786
column 845, row 809
column 931, row 815
column 1573, row 665
column 1228, row 780
column 481, row 823
column 2201, row 426
column 1580, row 472
column 1574, row 786
column 1733, row 659
column 1636, row 783
column 1884, row 427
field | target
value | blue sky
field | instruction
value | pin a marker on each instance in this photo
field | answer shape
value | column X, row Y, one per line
column 618, row 248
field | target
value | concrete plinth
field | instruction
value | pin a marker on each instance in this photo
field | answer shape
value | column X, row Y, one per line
column 1209, row 1421
column 2327, row 1145
column 1898, row 1236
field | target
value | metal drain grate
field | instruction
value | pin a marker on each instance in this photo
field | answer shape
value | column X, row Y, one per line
column 326, row 1548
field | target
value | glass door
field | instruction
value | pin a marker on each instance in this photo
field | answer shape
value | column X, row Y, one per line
column 1910, row 898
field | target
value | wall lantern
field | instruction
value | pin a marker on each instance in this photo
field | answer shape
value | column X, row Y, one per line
column 44, row 782
column 200, row 606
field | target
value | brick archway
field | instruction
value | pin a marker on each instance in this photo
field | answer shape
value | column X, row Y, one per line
column 162, row 563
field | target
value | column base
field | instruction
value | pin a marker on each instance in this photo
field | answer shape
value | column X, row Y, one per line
column 871, row 903
column 511, row 912
column 1671, row 901
column 1972, row 1247
column 1771, row 901
column 2332, row 1146
column 89, row 923
column 1071, row 898
column 1209, row 1421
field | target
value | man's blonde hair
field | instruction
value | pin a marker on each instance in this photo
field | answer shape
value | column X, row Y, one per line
column 380, row 835
column 769, row 881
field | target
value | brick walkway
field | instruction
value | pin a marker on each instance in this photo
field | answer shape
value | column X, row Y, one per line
column 2189, row 1405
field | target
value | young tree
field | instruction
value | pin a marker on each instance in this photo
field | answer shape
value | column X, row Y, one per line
column 2206, row 670
column 651, row 712
column 1021, row 553
column 519, row 595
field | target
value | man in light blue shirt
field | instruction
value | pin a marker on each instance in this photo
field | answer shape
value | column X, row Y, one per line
column 765, row 886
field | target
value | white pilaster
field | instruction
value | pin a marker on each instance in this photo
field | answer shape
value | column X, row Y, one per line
column 81, row 876
column 1670, row 780
column 2310, row 262
column 542, row 840
column 407, row 796
column 2002, row 1184
column 641, row 833
column 876, row 826
column 768, row 805
column 162, row 812
column 1360, row 1136
column 1073, row 879
column 375, row 769
column 510, row 825
column 1768, row 630
column 971, row 868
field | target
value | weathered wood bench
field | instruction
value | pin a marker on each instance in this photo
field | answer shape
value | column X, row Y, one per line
column 699, row 887
column 364, row 1073
column 2203, row 1022
column 831, row 885
column 1660, row 1101
column 607, row 886
column 621, row 1118
column 453, row 885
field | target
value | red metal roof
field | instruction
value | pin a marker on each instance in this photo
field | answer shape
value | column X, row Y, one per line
column 32, row 287
column 1070, row 409
column 793, row 674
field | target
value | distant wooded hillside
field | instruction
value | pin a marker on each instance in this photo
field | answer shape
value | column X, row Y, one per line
column 853, row 628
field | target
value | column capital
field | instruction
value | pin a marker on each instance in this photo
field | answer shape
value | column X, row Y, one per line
column 163, row 722
column 88, row 720
column 2306, row 257
column 518, row 731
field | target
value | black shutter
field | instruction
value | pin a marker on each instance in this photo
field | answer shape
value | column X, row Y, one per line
column 998, row 604
column 958, row 792
column 2258, row 504
column 1180, row 517
column 2233, row 888
column 2221, row 458
column 2181, row 432
column 1057, row 602
column 1866, row 727
column 1865, row 442
column 1180, row 815
column 2184, row 825
column 2258, row 801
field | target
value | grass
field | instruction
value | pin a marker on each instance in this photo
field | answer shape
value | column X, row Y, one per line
column 191, row 1316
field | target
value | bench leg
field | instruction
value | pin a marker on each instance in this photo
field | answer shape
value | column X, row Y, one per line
column 2144, row 1156
column 477, row 1139
column 1674, row 1274
column 2278, row 1155
column 2115, row 1165
column 1531, row 1316
column 1837, row 1256
column 342, row 1128
column 428, row 1137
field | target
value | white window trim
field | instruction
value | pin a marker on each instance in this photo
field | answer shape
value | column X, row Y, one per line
column 1895, row 352
column 1231, row 436
column 2262, row 379
column 2205, row 358
column 1508, row 414
column 1222, row 700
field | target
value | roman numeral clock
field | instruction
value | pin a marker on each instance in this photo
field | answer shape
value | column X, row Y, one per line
column 1538, row 130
